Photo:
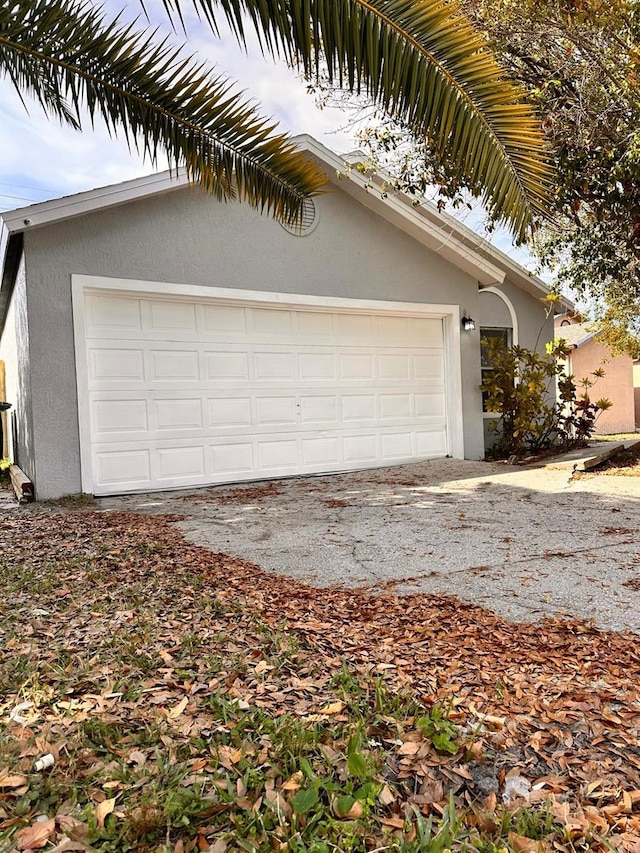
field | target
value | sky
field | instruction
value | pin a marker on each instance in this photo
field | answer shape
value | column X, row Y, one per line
column 41, row 159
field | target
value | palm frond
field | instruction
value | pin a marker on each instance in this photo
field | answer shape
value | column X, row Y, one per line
column 67, row 56
column 426, row 65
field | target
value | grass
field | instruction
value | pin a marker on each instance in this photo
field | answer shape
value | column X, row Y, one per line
column 185, row 713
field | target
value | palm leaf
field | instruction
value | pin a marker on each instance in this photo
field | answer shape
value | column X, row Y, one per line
column 426, row 65
column 68, row 57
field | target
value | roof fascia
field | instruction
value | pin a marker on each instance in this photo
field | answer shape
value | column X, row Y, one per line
column 67, row 207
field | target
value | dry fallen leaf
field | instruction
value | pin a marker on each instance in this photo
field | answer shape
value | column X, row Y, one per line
column 354, row 811
column 386, row 796
column 294, row 782
column 103, row 809
column 333, row 708
column 15, row 781
column 175, row 712
column 35, row 836
column 520, row 844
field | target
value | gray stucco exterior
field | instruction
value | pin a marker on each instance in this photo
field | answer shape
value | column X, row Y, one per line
column 186, row 237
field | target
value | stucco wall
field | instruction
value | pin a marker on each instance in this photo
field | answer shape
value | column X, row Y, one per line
column 493, row 311
column 14, row 351
column 616, row 385
column 186, row 237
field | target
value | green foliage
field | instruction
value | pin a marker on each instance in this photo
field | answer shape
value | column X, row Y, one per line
column 428, row 65
column 438, row 727
column 67, row 55
column 578, row 62
column 520, row 389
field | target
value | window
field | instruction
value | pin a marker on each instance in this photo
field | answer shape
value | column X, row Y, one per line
column 497, row 334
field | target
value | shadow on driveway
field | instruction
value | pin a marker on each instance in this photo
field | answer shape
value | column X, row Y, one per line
column 523, row 542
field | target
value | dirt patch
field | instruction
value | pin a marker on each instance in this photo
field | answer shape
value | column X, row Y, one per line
column 240, row 495
column 625, row 464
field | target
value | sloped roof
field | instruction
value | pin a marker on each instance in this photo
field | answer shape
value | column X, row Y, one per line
column 576, row 334
column 438, row 231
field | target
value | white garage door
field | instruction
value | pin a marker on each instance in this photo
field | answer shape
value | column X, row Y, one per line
column 185, row 392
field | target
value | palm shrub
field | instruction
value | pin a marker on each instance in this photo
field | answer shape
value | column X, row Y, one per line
column 521, row 389
column 420, row 60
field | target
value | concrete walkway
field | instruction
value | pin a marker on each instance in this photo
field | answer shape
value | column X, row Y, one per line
column 523, row 542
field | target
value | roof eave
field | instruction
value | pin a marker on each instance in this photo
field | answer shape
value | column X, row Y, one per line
column 68, row 207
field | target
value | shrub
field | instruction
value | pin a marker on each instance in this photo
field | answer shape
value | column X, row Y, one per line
column 520, row 389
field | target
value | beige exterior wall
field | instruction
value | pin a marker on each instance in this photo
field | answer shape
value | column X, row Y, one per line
column 636, row 392
column 616, row 385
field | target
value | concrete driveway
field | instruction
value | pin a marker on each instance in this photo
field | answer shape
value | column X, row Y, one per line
column 523, row 542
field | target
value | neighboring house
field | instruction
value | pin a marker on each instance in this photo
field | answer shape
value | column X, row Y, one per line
column 157, row 338
column 636, row 390
column 586, row 355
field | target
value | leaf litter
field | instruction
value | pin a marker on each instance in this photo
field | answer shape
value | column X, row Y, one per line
column 193, row 702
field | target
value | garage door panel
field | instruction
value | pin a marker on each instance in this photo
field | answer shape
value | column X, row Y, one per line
column 279, row 455
column 271, row 366
column 395, row 406
column 354, row 327
column 227, row 319
column 391, row 366
column 272, row 323
column 176, row 414
column 116, row 365
column 172, row 316
column 187, row 392
column 181, row 462
column 398, row 445
column 276, row 410
column 429, row 405
column 356, row 368
column 319, row 410
column 317, row 366
column 361, row 449
column 229, row 411
column 115, row 417
column 174, row 365
column 316, row 326
column 227, row 366
column 234, row 460
column 429, row 367
column 120, row 466
column 358, row 407
column 432, row 443
column 113, row 314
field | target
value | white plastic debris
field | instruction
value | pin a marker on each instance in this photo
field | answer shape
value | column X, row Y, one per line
column 517, row 787
column 44, row 763
column 15, row 715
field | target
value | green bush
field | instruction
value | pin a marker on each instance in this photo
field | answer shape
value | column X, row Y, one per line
column 520, row 388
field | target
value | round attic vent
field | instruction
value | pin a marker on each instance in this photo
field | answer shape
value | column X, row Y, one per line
column 307, row 223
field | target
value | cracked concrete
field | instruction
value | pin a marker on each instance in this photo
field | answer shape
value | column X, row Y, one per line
column 523, row 542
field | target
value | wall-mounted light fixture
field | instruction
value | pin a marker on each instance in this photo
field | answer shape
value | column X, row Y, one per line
column 468, row 324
